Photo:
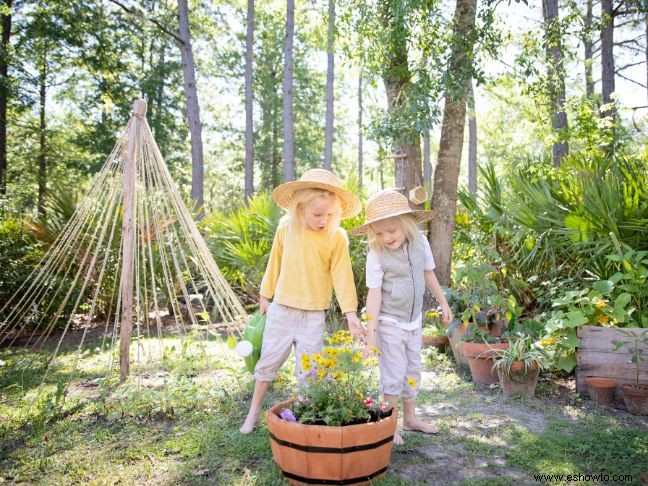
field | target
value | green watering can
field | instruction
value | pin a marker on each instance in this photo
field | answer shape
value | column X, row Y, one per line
column 250, row 347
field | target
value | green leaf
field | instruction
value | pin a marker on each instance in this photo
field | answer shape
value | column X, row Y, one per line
column 567, row 363
column 622, row 300
column 571, row 340
column 575, row 319
column 604, row 286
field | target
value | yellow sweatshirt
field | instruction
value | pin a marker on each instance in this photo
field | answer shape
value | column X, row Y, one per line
column 305, row 266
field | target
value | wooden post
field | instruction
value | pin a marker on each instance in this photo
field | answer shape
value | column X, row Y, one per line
column 128, row 239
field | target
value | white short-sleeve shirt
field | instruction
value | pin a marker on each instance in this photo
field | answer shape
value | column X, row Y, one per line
column 375, row 275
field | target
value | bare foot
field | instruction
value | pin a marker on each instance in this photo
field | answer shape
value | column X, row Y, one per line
column 249, row 424
column 398, row 440
column 420, row 426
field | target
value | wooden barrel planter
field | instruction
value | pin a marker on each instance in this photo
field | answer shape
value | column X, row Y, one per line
column 319, row 454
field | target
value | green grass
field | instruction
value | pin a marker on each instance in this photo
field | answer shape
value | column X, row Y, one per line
column 176, row 422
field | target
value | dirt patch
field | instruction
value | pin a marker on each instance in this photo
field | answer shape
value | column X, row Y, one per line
column 475, row 425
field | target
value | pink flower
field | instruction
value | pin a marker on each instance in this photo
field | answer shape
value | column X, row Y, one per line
column 369, row 402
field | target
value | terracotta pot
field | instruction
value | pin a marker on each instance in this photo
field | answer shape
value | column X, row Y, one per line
column 601, row 390
column 481, row 359
column 439, row 342
column 318, row 454
column 456, row 343
column 519, row 381
column 635, row 397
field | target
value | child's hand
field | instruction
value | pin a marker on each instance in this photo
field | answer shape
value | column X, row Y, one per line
column 263, row 305
column 356, row 329
column 370, row 347
column 446, row 313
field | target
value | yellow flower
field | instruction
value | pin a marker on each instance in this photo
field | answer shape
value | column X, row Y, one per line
column 432, row 314
column 341, row 398
column 601, row 304
column 547, row 342
column 411, row 381
column 306, row 363
column 603, row 319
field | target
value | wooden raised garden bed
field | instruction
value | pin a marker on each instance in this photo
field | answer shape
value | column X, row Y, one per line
column 595, row 357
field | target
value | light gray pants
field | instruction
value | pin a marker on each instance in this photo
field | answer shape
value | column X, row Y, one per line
column 287, row 327
column 399, row 359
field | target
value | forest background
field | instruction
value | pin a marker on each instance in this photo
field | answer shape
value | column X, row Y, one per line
column 242, row 96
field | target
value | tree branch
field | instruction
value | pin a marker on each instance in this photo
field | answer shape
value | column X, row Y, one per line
column 631, row 80
column 138, row 11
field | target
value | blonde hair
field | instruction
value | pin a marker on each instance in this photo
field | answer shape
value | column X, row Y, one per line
column 305, row 196
column 407, row 226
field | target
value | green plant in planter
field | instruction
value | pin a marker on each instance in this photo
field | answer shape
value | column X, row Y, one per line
column 481, row 302
column 635, row 395
column 433, row 324
column 523, row 349
column 636, row 339
column 598, row 305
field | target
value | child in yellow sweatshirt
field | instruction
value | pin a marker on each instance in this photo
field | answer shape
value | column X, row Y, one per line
column 309, row 259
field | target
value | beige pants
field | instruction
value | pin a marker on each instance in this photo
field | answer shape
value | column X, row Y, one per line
column 399, row 359
column 287, row 327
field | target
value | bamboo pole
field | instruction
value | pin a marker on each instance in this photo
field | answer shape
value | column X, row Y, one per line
column 128, row 239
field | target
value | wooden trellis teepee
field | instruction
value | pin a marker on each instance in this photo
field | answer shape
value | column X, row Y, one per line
column 130, row 253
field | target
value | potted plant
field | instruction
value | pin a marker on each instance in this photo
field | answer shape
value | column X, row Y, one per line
column 335, row 431
column 635, row 395
column 482, row 310
column 519, row 365
column 434, row 331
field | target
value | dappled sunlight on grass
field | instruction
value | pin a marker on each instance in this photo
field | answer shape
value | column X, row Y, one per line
column 176, row 421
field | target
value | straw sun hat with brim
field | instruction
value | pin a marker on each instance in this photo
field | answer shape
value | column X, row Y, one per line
column 387, row 204
column 284, row 195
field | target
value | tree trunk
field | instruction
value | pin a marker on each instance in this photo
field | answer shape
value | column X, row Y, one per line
column 249, row 100
column 158, row 102
column 42, row 159
column 396, row 76
column 193, row 109
column 330, row 93
column 556, row 81
column 472, row 140
column 4, row 93
column 607, row 58
column 360, row 133
column 289, row 152
column 588, row 47
column 446, row 174
column 427, row 163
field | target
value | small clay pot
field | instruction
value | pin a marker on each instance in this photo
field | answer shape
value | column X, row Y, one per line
column 439, row 342
column 601, row 390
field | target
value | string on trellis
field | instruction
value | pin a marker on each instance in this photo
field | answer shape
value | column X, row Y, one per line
column 132, row 252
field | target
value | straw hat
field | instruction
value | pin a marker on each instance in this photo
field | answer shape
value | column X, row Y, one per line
column 317, row 179
column 386, row 204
